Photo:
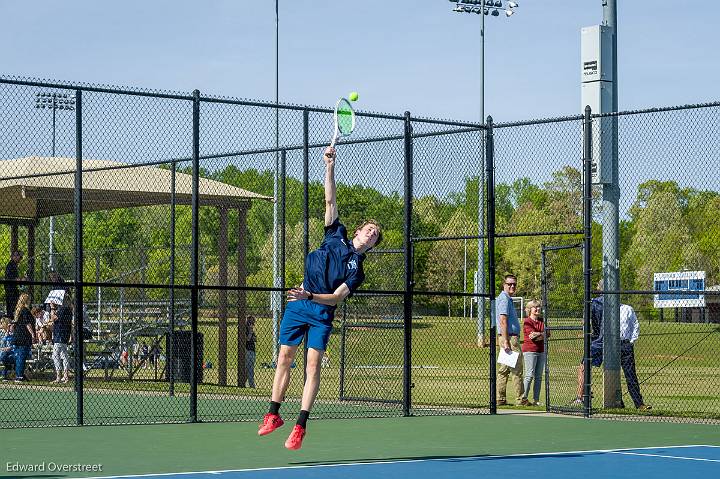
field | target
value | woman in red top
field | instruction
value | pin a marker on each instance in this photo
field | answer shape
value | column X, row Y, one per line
column 533, row 349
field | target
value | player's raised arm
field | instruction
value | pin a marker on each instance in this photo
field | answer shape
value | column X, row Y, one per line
column 330, row 194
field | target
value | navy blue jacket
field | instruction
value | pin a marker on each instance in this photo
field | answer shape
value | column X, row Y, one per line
column 335, row 262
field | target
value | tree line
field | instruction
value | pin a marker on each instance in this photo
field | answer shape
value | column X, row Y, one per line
column 667, row 228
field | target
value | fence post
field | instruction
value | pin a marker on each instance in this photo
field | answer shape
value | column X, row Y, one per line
column 548, row 325
column 78, row 333
column 408, row 293
column 587, row 253
column 170, row 360
column 306, row 180
column 194, row 267
column 490, row 179
column 283, row 205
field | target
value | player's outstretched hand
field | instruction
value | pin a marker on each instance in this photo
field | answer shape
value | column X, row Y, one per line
column 296, row 294
column 329, row 156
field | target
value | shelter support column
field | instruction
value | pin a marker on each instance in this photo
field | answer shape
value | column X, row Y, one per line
column 31, row 259
column 242, row 241
column 13, row 238
column 222, row 295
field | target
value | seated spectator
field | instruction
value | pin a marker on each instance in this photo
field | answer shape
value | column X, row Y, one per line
column 43, row 326
column 124, row 358
column 7, row 354
column 4, row 328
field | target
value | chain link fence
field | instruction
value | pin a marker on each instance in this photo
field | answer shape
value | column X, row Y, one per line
column 175, row 223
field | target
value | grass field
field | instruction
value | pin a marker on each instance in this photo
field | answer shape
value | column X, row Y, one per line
column 674, row 364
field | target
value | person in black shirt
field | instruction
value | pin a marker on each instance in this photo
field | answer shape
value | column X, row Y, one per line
column 24, row 332
column 62, row 318
column 250, row 340
column 12, row 291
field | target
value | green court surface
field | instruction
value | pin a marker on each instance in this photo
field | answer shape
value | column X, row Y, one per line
column 156, row 449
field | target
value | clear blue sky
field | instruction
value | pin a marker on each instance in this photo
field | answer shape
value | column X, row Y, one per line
column 400, row 55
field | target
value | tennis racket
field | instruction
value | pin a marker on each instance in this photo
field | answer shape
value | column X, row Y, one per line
column 344, row 120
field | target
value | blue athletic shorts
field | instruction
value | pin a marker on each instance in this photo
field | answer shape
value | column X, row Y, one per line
column 301, row 316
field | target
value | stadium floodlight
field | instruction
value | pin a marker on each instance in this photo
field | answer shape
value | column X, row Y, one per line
column 480, row 7
column 488, row 7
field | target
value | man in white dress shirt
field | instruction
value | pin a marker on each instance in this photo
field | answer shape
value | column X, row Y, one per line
column 629, row 333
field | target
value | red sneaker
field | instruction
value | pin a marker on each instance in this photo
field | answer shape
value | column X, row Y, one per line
column 270, row 423
column 294, row 441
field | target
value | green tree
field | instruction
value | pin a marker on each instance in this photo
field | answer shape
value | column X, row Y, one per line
column 661, row 240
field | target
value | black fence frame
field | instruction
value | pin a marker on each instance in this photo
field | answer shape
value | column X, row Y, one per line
column 408, row 292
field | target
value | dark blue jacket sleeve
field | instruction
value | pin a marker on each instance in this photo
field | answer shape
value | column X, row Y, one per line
column 336, row 231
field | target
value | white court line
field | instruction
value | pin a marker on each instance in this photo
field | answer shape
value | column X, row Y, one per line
column 665, row 456
column 399, row 461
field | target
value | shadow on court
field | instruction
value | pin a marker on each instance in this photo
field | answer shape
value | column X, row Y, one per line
column 477, row 458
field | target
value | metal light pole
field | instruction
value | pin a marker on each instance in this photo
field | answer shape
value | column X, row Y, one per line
column 276, row 297
column 611, row 242
column 482, row 8
column 53, row 101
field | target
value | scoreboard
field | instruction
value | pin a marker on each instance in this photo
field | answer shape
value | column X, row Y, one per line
column 684, row 287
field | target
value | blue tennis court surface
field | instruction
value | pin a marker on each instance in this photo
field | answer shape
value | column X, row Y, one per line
column 655, row 462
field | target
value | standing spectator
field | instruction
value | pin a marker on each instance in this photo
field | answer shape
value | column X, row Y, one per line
column 7, row 353
column 62, row 331
column 533, row 349
column 508, row 328
column 12, row 291
column 251, row 339
column 155, row 352
column 145, row 356
column 596, row 341
column 55, row 295
column 629, row 333
column 24, row 335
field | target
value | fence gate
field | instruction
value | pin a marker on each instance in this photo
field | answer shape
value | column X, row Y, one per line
column 562, row 303
column 371, row 350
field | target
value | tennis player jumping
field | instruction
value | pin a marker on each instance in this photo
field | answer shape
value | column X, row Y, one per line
column 332, row 272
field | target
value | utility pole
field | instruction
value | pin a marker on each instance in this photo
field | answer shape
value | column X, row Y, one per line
column 482, row 8
column 53, row 102
column 611, row 240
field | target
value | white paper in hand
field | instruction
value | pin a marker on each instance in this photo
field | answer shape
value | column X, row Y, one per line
column 56, row 296
column 510, row 359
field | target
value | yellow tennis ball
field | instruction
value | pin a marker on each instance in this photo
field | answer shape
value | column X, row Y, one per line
column 353, row 96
